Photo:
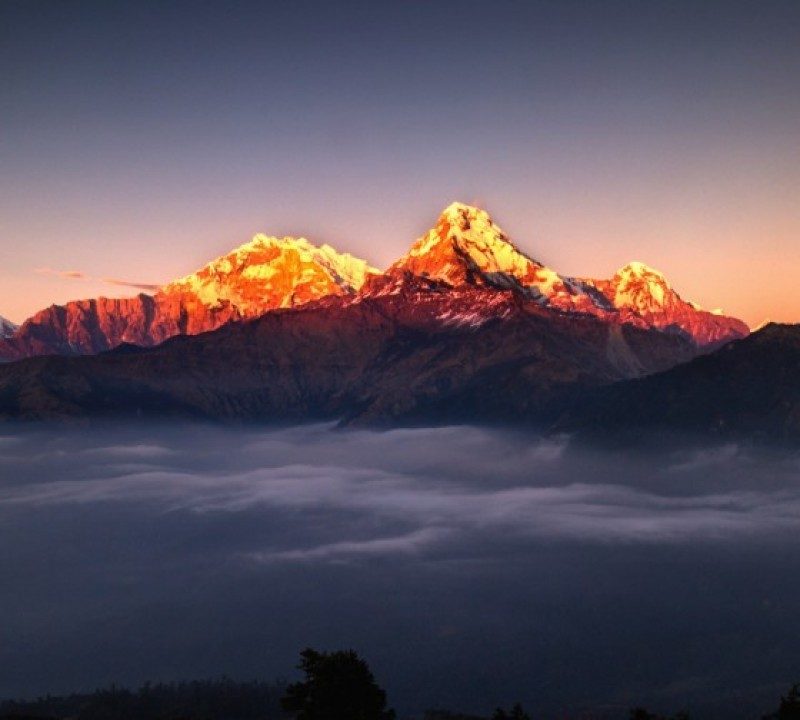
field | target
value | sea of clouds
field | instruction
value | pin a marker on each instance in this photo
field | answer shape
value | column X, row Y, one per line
column 180, row 551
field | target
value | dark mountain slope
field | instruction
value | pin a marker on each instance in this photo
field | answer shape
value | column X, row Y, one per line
column 750, row 388
column 417, row 352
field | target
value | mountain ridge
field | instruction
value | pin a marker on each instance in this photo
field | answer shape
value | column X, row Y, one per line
column 263, row 274
column 748, row 388
column 378, row 359
column 464, row 248
column 7, row 328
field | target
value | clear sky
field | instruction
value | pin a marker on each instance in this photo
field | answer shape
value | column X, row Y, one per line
column 140, row 139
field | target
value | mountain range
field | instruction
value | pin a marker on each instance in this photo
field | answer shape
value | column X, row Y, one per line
column 264, row 274
column 463, row 327
column 464, row 248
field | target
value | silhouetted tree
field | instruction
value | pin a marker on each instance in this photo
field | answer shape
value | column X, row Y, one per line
column 642, row 714
column 516, row 713
column 338, row 686
column 789, row 708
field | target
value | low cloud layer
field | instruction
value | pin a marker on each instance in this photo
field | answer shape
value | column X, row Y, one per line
column 472, row 567
column 438, row 488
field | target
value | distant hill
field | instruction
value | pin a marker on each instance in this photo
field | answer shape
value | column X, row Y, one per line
column 221, row 699
column 749, row 388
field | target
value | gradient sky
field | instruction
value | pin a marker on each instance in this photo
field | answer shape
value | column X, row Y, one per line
column 139, row 140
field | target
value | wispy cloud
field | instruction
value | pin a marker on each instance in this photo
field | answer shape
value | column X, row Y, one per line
column 708, row 458
column 66, row 274
column 407, row 544
column 80, row 275
column 150, row 287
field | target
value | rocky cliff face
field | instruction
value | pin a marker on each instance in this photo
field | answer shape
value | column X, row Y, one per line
column 642, row 296
column 7, row 328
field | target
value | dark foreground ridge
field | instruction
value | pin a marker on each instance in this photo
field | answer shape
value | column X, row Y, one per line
column 222, row 698
column 335, row 686
column 747, row 389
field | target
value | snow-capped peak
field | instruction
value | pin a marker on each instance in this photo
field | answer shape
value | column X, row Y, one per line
column 643, row 295
column 7, row 328
column 271, row 272
column 347, row 271
column 639, row 287
column 467, row 247
column 640, row 269
column 471, row 231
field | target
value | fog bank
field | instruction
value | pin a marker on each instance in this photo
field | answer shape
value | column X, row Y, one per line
column 472, row 567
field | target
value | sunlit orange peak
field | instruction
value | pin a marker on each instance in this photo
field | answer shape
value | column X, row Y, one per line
column 270, row 272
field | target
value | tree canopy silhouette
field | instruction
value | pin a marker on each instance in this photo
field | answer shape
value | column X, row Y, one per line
column 337, row 686
column 516, row 713
column 642, row 714
column 220, row 699
column 789, row 708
